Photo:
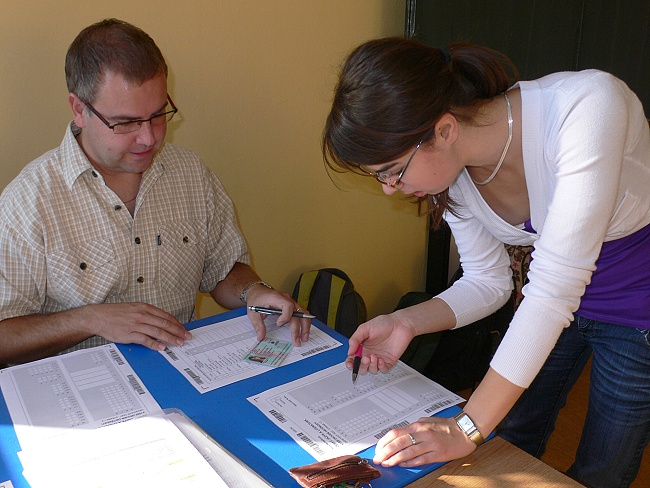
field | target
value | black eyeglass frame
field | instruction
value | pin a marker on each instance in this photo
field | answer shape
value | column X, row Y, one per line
column 169, row 115
column 384, row 178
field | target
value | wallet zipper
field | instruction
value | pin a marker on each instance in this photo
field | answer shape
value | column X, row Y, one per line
column 334, row 468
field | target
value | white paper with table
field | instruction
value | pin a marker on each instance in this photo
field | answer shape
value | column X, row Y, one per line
column 84, row 419
column 85, row 389
column 214, row 357
column 330, row 416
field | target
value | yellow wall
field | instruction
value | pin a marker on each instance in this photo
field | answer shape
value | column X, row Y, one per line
column 253, row 81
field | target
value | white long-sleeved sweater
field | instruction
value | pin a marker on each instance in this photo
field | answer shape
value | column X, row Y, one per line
column 586, row 152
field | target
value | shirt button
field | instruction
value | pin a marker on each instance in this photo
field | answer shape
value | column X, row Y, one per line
column 118, row 207
column 140, row 279
column 94, row 174
column 83, row 266
column 137, row 240
column 185, row 240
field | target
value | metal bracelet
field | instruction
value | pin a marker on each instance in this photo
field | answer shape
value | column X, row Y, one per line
column 244, row 292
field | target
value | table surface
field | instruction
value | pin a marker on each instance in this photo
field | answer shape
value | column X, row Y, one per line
column 497, row 463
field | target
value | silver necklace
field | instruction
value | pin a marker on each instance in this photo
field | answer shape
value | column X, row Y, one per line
column 505, row 149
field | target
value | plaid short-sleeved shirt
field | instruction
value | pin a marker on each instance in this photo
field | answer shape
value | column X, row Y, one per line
column 67, row 240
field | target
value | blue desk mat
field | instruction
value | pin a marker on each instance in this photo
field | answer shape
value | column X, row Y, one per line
column 10, row 467
column 226, row 414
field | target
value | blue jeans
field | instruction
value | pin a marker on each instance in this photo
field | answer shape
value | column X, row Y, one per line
column 617, row 428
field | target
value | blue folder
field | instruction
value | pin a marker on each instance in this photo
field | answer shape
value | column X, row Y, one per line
column 226, row 414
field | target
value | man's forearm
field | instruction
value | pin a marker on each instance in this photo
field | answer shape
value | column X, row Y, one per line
column 34, row 337
column 227, row 291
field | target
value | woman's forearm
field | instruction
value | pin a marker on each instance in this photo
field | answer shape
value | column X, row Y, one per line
column 492, row 401
column 431, row 316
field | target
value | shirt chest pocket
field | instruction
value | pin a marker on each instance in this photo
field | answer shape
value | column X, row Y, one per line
column 85, row 274
column 182, row 256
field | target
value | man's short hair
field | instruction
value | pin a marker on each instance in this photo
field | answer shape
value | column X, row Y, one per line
column 115, row 46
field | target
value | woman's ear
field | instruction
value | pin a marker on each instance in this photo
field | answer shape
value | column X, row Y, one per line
column 446, row 129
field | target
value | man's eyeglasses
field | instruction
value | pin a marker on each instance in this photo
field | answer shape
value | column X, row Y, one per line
column 385, row 178
column 134, row 125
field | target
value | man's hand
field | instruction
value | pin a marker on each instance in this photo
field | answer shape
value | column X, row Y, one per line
column 134, row 323
column 32, row 337
column 262, row 296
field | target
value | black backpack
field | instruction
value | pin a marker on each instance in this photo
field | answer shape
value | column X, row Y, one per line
column 457, row 359
column 330, row 295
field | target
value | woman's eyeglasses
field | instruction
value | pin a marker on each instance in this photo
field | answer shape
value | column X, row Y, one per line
column 385, row 178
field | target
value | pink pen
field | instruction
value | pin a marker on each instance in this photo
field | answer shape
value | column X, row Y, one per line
column 357, row 363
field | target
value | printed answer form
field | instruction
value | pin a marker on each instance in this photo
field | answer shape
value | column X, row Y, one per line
column 214, row 357
column 88, row 388
column 329, row 416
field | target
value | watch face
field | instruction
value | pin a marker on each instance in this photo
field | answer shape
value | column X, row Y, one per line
column 467, row 426
column 465, row 423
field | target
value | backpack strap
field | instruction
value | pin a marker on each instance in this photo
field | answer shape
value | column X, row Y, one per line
column 329, row 294
column 336, row 291
column 305, row 286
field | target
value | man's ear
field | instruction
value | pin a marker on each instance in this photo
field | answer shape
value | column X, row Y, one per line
column 79, row 113
column 446, row 129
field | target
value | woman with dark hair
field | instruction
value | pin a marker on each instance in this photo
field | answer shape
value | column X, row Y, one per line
column 562, row 164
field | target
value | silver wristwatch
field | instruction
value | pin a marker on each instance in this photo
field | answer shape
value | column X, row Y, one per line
column 466, row 425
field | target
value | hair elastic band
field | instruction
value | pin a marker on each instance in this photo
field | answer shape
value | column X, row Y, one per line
column 445, row 54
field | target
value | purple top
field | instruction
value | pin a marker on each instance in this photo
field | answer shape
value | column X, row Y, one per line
column 619, row 292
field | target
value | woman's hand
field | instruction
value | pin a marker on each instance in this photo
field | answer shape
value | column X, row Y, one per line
column 429, row 440
column 384, row 338
column 437, row 439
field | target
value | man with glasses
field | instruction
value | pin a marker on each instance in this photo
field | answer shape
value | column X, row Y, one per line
column 110, row 236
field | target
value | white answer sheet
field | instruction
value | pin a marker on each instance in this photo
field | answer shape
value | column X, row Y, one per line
column 214, row 357
column 329, row 416
column 84, row 389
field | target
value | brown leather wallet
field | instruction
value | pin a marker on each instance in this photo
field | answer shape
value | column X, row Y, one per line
column 332, row 472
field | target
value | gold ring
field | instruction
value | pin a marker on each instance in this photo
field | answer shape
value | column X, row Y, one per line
column 412, row 439
column 299, row 309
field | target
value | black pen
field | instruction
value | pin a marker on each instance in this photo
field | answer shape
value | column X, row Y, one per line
column 357, row 363
column 275, row 311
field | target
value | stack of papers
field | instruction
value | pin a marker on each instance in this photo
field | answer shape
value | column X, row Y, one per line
column 85, row 419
